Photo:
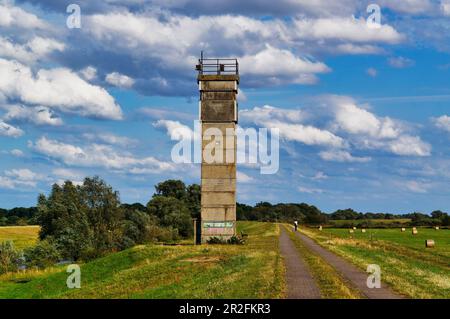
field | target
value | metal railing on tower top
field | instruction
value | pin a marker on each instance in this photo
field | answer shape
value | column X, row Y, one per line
column 217, row 66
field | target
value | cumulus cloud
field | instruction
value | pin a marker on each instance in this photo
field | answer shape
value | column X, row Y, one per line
column 11, row 16
column 285, row 120
column 119, row 80
column 39, row 115
column 408, row 6
column 280, row 66
column 415, row 186
column 9, row 130
column 351, row 48
column 97, row 155
column 22, row 177
column 445, row 7
column 243, row 178
column 176, row 130
column 30, row 52
column 368, row 130
column 345, row 29
column 443, row 122
column 57, row 88
column 17, row 153
column 89, row 73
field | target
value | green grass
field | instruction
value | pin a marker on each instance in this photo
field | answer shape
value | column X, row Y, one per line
column 372, row 222
column 406, row 264
column 254, row 270
column 21, row 236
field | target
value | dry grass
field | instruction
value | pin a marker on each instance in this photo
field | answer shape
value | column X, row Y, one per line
column 21, row 236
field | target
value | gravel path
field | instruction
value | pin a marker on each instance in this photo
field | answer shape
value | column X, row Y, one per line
column 351, row 273
column 300, row 283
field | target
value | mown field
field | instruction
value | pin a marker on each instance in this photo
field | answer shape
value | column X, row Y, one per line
column 254, row 270
column 406, row 264
column 21, row 236
column 371, row 222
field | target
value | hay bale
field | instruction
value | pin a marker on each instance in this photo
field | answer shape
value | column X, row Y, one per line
column 320, row 228
column 351, row 231
column 354, row 228
column 403, row 229
column 414, row 231
column 429, row 243
column 363, row 230
column 437, row 228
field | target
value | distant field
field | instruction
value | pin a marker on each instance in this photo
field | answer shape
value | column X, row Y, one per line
column 373, row 222
column 406, row 264
column 254, row 270
column 21, row 236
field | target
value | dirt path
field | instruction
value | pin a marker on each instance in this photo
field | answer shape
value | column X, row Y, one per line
column 300, row 283
column 351, row 273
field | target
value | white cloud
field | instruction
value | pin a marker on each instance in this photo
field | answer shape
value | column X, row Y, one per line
column 346, row 29
column 111, row 139
column 285, row 120
column 280, row 66
column 39, row 115
column 57, row 88
column 11, row 16
column 20, row 177
column 410, row 146
column 445, row 7
column 30, row 52
column 370, row 131
column 415, row 186
column 243, row 178
column 310, row 190
column 400, row 62
column 17, row 153
column 351, row 48
column 9, row 130
column 342, row 156
column 320, row 176
column 119, row 80
column 89, row 73
column 176, row 130
column 443, row 122
column 372, row 72
column 96, row 155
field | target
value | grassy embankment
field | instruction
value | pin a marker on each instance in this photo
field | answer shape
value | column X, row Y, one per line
column 254, row 270
column 21, row 236
column 406, row 264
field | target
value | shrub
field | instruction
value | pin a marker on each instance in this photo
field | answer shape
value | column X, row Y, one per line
column 9, row 257
column 215, row 240
column 42, row 255
column 236, row 240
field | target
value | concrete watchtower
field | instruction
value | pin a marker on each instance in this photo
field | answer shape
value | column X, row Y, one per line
column 218, row 81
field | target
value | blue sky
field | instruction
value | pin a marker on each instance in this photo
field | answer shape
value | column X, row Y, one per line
column 363, row 112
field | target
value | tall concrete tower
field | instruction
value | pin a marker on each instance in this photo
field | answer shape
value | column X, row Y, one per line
column 218, row 81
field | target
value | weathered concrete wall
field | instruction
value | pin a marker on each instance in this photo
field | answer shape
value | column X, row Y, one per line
column 218, row 114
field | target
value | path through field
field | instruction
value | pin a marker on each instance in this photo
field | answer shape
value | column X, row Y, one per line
column 301, row 284
column 299, row 281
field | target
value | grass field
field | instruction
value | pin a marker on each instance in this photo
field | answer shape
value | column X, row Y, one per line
column 254, row 270
column 406, row 264
column 21, row 236
column 372, row 222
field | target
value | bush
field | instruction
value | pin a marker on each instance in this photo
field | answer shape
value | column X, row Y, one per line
column 9, row 257
column 236, row 240
column 215, row 240
column 42, row 255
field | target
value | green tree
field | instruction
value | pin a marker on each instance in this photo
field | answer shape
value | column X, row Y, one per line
column 172, row 188
column 171, row 212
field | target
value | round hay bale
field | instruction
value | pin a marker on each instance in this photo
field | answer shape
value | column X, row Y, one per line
column 354, row 228
column 415, row 232
column 363, row 230
column 437, row 228
column 351, row 231
column 403, row 229
column 320, row 228
column 429, row 243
